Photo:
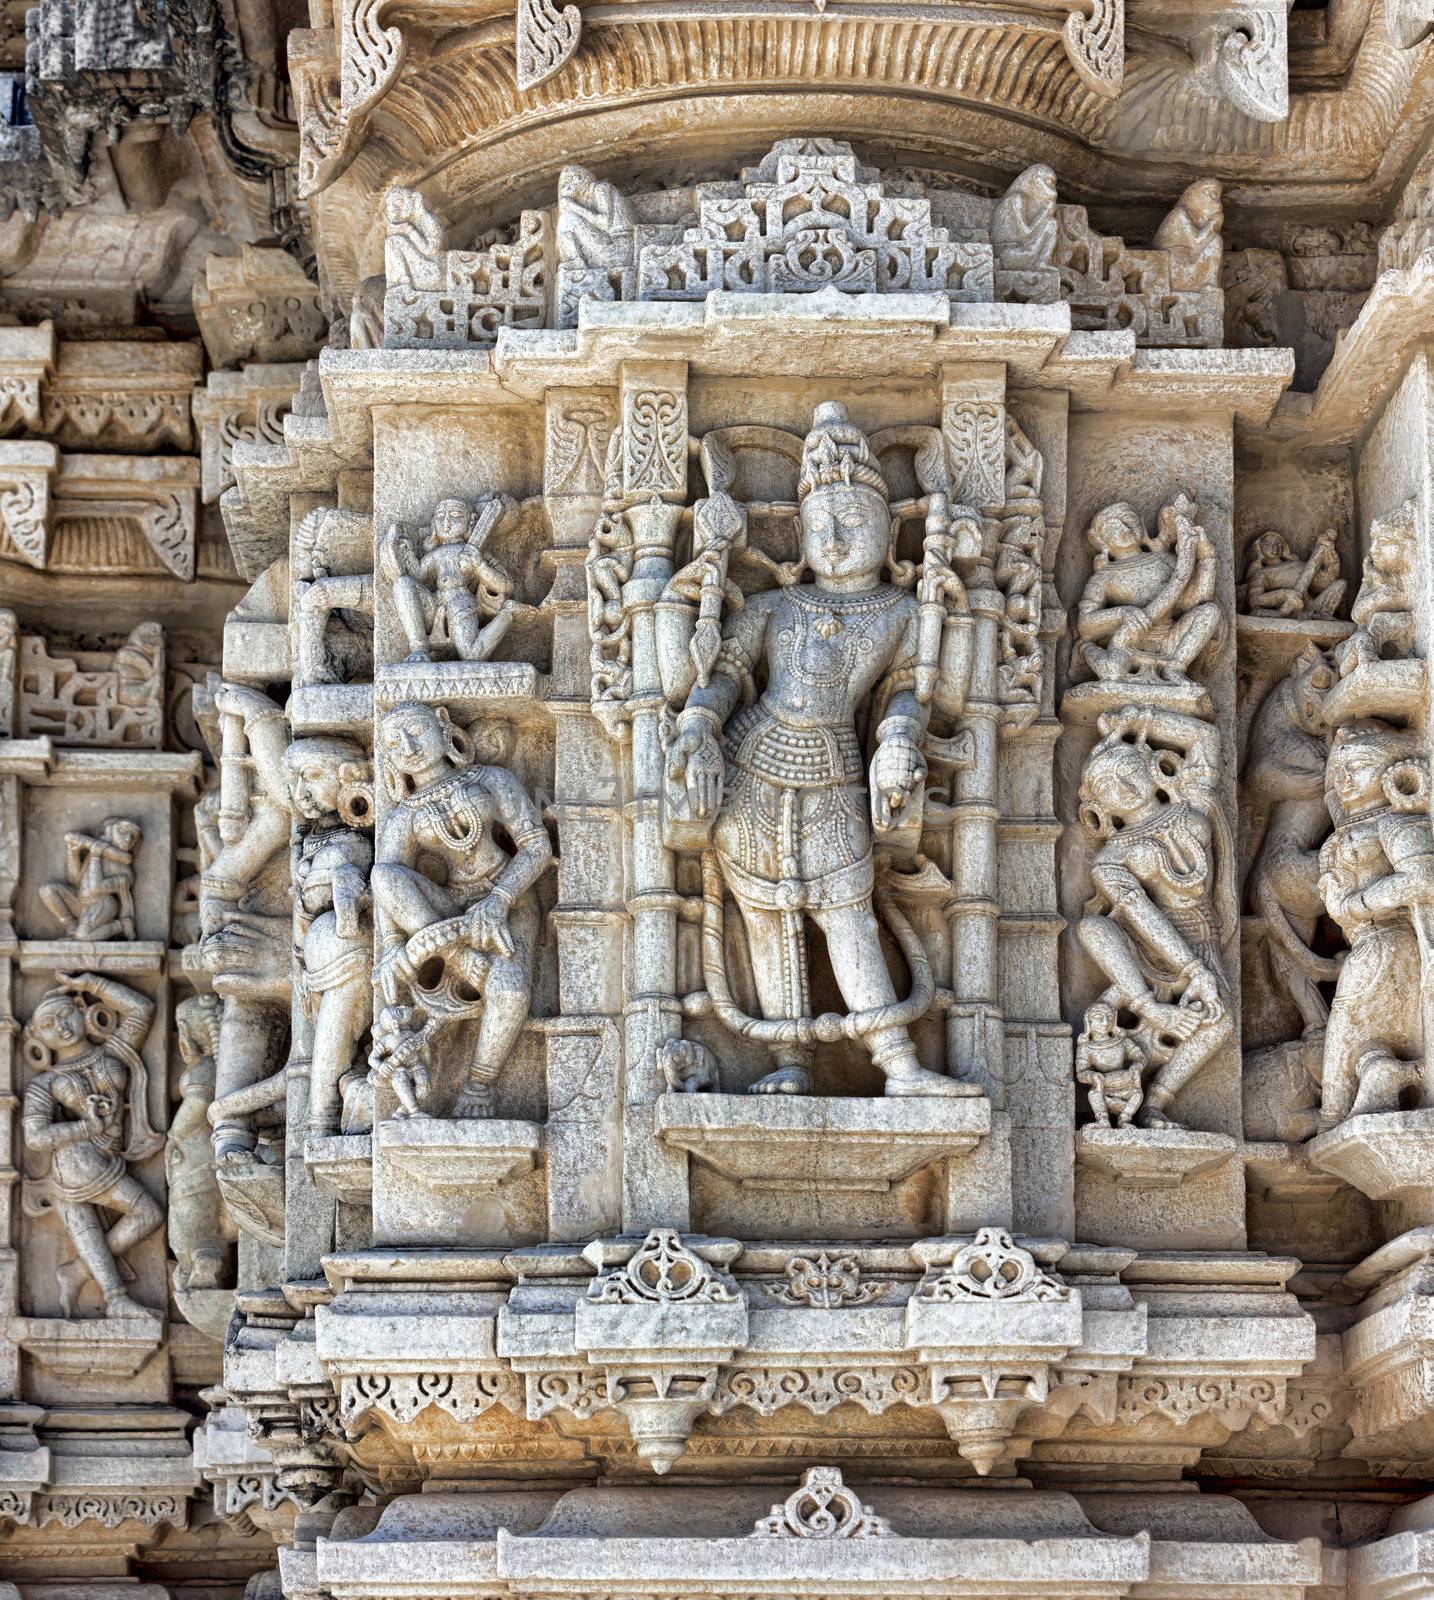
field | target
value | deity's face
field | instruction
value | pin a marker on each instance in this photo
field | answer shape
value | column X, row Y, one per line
column 58, row 1022
column 1100, row 1021
column 313, row 786
column 1119, row 782
column 451, row 521
column 846, row 531
column 123, row 834
column 1356, row 771
column 1115, row 532
column 412, row 740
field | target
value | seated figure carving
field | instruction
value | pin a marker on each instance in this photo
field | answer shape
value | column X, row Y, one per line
column 1148, row 609
column 1279, row 584
column 1024, row 226
column 479, row 926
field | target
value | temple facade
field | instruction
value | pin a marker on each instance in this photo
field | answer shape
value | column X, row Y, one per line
column 716, row 830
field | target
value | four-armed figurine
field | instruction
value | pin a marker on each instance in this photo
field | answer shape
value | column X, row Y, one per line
column 793, row 796
column 82, row 1044
column 480, row 927
column 96, row 900
column 445, row 588
column 1148, row 609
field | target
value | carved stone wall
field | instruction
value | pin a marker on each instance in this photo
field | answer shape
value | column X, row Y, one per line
column 715, row 803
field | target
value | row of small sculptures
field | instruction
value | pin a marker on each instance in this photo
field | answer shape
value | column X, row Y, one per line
column 767, row 768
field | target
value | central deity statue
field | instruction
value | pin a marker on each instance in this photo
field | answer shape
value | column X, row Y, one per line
column 793, row 797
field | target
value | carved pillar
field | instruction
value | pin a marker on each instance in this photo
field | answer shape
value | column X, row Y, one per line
column 584, row 1148
column 654, row 486
column 973, row 420
column 1036, row 1080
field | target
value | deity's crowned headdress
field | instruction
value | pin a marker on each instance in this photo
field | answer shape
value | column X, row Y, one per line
column 837, row 451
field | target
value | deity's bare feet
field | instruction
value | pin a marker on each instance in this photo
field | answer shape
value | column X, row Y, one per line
column 1154, row 1117
column 785, row 1080
column 476, row 1101
column 917, row 1082
column 119, row 1304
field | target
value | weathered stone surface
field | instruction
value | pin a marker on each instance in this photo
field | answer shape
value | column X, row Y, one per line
column 715, row 806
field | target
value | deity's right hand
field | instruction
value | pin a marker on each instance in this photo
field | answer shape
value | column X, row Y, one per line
column 694, row 760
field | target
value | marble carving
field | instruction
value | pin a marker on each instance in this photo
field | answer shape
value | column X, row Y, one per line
column 716, row 866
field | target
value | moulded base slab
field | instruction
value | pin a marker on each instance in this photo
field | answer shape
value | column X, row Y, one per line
column 787, row 1143
column 457, row 1156
column 1152, row 1158
column 1384, row 1154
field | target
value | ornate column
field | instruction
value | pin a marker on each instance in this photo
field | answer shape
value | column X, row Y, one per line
column 654, row 489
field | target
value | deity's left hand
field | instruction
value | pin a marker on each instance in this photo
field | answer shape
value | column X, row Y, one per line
column 896, row 769
column 488, row 927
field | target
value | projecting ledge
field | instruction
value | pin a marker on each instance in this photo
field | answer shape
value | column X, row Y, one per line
column 792, row 1143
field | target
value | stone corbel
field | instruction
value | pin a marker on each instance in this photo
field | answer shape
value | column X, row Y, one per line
column 25, row 518
column 156, row 495
column 339, row 81
column 988, row 1323
column 244, row 407
column 241, row 1472
column 27, row 360
column 1389, row 1353
column 547, row 36
column 1252, row 64
column 258, row 306
column 658, row 1322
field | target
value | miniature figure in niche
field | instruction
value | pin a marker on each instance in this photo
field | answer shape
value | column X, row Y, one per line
column 447, row 591
column 1279, row 584
column 96, row 899
column 82, row 1043
column 1109, row 1064
column 480, row 926
column 1148, row 609
column 792, row 799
